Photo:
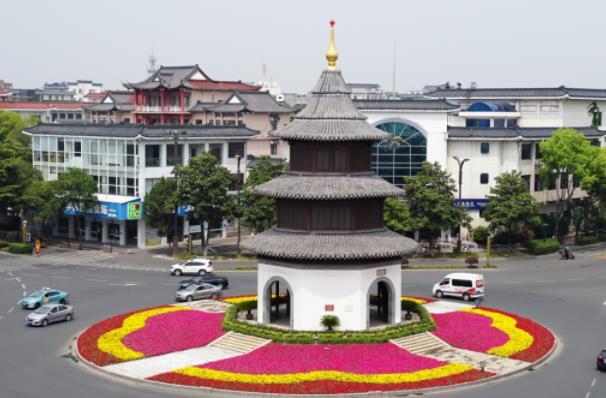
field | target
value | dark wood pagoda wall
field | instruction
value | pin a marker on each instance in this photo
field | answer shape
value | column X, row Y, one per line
column 336, row 157
column 333, row 215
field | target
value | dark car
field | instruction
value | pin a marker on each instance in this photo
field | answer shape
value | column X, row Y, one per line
column 212, row 279
column 601, row 362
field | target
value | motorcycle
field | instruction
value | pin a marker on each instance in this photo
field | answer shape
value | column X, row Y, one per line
column 566, row 254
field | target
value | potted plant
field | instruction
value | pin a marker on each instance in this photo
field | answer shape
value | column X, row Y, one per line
column 330, row 322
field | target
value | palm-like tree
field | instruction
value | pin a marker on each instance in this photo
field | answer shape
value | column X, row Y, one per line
column 593, row 110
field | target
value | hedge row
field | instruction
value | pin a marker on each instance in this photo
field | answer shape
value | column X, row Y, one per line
column 3, row 244
column 231, row 322
column 20, row 248
column 540, row 246
column 586, row 240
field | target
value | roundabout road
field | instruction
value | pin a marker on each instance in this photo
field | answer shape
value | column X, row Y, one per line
column 566, row 296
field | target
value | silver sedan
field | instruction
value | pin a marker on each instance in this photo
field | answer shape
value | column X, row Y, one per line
column 50, row 313
column 197, row 292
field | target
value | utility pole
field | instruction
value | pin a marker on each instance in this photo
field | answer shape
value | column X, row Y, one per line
column 460, row 162
column 238, row 209
column 175, row 135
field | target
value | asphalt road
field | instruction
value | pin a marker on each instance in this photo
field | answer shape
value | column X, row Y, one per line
column 567, row 296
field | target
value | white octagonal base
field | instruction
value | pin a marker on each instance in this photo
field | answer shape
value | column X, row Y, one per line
column 339, row 290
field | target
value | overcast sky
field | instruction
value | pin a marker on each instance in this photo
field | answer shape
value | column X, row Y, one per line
column 494, row 43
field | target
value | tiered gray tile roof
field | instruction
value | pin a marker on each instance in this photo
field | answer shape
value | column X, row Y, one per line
column 250, row 101
column 330, row 115
column 138, row 130
column 167, row 76
column 382, row 244
column 514, row 133
column 407, row 104
column 293, row 186
column 121, row 101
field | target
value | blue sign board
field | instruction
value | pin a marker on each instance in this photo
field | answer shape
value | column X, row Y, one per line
column 471, row 204
column 105, row 210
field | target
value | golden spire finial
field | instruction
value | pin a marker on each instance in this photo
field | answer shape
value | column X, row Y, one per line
column 331, row 54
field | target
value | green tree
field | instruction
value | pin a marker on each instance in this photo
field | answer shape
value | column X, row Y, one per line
column 74, row 189
column 204, row 184
column 159, row 208
column 39, row 205
column 260, row 211
column 396, row 215
column 566, row 155
column 430, row 196
column 510, row 203
column 594, row 111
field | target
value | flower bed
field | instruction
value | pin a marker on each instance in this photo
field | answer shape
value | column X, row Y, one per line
column 244, row 303
column 148, row 332
column 495, row 332
column 324, row 369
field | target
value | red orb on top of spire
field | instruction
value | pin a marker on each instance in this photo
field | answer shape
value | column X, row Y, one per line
column 332, row 23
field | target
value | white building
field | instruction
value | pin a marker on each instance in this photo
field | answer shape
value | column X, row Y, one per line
column 81, row 88
column 498, row 130
column 126, row 161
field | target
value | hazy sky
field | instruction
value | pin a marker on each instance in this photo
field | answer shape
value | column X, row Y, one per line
column 494, row 43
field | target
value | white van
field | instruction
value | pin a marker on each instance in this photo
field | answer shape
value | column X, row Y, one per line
column 198, row 266
column 461, row 284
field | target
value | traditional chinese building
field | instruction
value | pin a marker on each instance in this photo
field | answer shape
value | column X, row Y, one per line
column 329, row 252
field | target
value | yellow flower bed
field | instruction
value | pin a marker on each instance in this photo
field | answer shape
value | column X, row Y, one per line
column 111, row 342
column 519, row 340
column 293, row 378
column 236, row 300
column 414, row 299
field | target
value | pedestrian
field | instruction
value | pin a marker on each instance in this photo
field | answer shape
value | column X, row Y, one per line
column 37, row 247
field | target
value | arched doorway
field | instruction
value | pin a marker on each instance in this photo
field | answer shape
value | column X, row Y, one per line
column 381, row 309
column 402, row 157
column 277, row 299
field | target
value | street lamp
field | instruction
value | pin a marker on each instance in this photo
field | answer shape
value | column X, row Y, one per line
column 238, row 159
column 460, row 162
column 175, row 134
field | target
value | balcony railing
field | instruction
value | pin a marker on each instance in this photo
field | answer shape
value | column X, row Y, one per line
column 159, row 109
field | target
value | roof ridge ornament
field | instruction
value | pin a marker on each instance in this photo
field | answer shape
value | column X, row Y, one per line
column 331, row 54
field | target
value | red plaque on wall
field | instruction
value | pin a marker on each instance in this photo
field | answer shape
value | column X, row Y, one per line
column 329, row 307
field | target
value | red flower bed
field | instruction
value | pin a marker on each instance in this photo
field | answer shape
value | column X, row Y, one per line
column 543, row 341
column 469, row 331
column 175, row 331
column 319, row 387
column 87, row 342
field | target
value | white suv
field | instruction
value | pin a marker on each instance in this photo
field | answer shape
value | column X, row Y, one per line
column 198, row 266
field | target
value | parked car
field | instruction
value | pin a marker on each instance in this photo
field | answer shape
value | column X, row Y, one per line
column 50, row 313
column 198, row 266
column 44, row 296
column 463, row 285
column 601, row 361
column 197, row 292
column 211, row 279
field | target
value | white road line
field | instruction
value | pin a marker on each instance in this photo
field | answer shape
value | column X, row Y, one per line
column 24, row 293
column 18, row 279
column 588, row 394
column 25, row 274
column 23, row 286
column 575, row 279
column 97, row 280
column 1, row 317
column 11, row 274
column 11, row 310
column 62, row 277
column 546, row 280
column 593, row 382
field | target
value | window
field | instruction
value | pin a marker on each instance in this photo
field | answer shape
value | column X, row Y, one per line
column 526, row 179
column 484, row 178
column 526, row 151
column 198, row 122
column 60, row 145
column 70, row 116
column 236, row 148
column 528, row 108
column 274, row 148
column 537, row 183
column 127, row 120
column 130, row 155
column 484, row 148
column 216, row 150
column 77, row 149
column 550, row 108
column 113, row 183
column 152, row 155
column 537, row 150
column 564, row 181
column 171, row 160
column 462, row 283
column 149, row 183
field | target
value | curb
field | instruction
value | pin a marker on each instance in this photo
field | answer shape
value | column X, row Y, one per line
column 230, row 393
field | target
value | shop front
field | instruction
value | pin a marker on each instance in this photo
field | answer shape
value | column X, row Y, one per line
column 112, row 221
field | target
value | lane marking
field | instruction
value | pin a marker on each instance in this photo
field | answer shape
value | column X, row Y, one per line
column 11, row 310
column 25, row 274
column 23, row 286
column 588, row 394
column 546, row 280
column 575, row 279
column 18, row 279
column 97, row 280
column 62, row 277
column 11, row 274
column 24, row 293
column 593, row 382
column 1, row 317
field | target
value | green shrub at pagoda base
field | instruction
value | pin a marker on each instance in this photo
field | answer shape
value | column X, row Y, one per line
column 20, row 248
column 232, row 323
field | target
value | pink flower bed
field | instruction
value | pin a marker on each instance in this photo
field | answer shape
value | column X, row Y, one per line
column 175, row 331
column 468, row 331
column 276, row 358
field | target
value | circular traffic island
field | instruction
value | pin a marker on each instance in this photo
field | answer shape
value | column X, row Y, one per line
column 209, row 345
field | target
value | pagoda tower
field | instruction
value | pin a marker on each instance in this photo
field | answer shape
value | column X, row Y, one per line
column 329, row 253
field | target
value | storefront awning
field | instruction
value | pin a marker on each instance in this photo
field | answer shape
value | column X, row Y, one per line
column 112, row 207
